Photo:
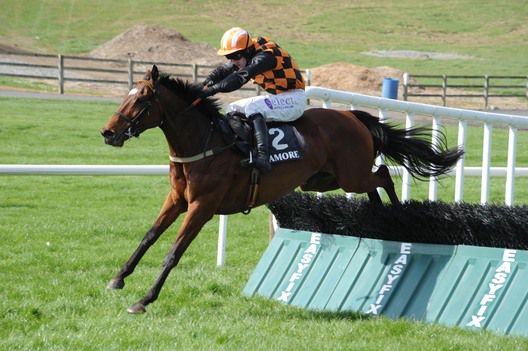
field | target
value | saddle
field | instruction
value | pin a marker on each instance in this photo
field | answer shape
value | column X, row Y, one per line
column 284, row 142
column 237, row 130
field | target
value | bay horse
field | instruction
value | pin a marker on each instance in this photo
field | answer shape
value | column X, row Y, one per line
column 206, row 177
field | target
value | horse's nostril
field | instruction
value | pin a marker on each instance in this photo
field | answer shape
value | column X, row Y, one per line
column 107, row 133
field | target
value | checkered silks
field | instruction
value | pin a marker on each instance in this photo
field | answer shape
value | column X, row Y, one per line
column 286, row 74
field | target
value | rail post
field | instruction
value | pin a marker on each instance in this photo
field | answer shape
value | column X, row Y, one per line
column 130, row 68
column 486, row 164
column 486, row 91
column 308, row 82
column 406, row 176
column 510, row 167
column 222, row 240
column 526, row 87
column 195, row 73
column 444, row 89
column 459, row 175
column 433, row 181
column 405, row 85
column 61, row 74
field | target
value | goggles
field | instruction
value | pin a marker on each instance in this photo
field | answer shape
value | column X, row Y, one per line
column 235, row 56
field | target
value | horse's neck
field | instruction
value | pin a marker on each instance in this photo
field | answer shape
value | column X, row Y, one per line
column 187, row 133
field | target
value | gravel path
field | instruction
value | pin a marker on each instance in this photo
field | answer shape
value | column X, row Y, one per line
column 38, row 95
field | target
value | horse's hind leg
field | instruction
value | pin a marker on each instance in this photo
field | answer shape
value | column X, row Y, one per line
column 367, row 182
column 172, row 207
column 387, row 184
column 374, row 197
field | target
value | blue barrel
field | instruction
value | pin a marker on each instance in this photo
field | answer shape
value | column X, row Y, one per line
column 389, row 88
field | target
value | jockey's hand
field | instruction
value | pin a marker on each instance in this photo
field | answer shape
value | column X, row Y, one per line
column 206, row 92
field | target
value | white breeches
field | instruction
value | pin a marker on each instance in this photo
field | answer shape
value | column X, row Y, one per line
column 284, row 107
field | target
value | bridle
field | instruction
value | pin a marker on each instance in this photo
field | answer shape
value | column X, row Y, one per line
column 133, row 129
column 133, row 123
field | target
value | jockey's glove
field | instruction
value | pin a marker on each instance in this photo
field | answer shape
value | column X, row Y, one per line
column 206, row 92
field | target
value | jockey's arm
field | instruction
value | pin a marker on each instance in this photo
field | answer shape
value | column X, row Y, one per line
column 262, row 62
column 218, row 74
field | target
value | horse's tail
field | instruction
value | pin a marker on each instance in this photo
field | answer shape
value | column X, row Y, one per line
column 412, row 147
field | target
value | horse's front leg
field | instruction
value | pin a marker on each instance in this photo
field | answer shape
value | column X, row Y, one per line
column 197, row 215
column 170, row 210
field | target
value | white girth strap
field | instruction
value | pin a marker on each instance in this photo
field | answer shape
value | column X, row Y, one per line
column 194, row 158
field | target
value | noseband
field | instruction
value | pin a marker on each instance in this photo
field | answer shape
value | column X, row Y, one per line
column 133, row 123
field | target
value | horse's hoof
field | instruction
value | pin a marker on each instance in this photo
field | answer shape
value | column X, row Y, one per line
column 116, row 284
column 137, row 308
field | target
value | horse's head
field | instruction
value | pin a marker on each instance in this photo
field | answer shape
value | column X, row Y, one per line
column 139, row 111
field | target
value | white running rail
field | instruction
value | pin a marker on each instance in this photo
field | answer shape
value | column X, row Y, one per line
column 412, row 109
column 354, row 101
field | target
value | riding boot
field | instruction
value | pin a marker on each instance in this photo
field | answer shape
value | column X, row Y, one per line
column 261, row 161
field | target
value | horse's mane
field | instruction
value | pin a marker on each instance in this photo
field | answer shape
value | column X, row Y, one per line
column 190, row 92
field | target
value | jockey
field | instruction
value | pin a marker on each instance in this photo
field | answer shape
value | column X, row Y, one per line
column 274, row 70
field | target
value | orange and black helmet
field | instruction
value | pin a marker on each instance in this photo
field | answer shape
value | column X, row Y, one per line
column 233, row 40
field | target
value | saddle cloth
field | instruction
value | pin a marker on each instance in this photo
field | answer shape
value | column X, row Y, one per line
column 284, row 139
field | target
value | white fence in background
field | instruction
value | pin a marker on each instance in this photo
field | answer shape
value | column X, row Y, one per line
column 412, row 109
column 106, row 72
column 354, row 101
column 83, row 170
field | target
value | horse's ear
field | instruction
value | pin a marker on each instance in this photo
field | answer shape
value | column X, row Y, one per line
column 154, row 73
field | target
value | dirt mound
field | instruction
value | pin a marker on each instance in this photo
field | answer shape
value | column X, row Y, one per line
column 349, row 77
column 157, row 44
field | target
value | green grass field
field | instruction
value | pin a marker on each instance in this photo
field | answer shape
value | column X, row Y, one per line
column 65, row 237
column 316, row 32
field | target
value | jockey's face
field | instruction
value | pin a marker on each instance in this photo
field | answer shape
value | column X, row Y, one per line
column 238, row 59
column 240, row 63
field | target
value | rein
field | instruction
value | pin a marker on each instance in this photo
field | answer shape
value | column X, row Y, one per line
column 205, row 153
column 133, row 131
